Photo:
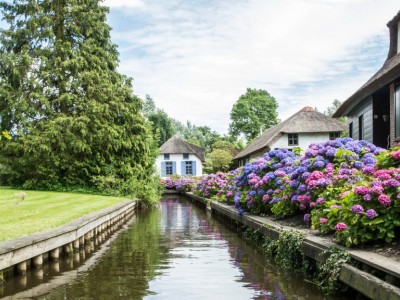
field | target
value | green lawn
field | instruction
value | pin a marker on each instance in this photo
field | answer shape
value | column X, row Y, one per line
column 43, row 210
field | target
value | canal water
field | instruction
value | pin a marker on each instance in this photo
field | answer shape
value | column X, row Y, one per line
column 177, row 251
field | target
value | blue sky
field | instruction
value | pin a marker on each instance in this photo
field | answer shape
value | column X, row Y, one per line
column 196, row 57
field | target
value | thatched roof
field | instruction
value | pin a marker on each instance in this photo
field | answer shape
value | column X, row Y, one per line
column 177, row 146
column 389, row 72
column 307, row 120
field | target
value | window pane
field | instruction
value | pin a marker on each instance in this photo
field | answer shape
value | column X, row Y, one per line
column 334, row 135
column 351, row 129
column 168, row 168
column 166, row 156
column 293, row 139
column 188, row 168
column 361, row 127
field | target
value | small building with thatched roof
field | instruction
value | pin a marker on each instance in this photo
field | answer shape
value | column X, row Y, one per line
column 178, row 157
column 300, row 130
column 373, row 111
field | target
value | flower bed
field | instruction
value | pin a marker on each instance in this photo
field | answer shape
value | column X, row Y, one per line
column 344, row 186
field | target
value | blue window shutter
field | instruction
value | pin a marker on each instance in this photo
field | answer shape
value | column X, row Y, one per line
column 163, row 169
column 174, row 167
column 194, row 168
column 183, row 169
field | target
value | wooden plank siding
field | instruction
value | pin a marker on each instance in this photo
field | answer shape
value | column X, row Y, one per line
column 365, row 109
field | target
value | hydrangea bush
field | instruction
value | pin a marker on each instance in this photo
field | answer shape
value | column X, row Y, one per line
column 348, row 187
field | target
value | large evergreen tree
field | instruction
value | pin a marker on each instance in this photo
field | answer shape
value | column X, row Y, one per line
column 74, row 119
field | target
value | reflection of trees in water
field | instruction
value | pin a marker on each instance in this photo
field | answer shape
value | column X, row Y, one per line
column 125, row 270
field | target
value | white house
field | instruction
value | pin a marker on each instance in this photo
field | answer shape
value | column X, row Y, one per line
column 300, row 130
column 178, row 157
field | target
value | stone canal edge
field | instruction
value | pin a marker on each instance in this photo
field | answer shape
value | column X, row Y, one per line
column 377, row 276
column 20, row 254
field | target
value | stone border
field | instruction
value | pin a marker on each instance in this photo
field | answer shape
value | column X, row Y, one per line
column 30, row 251
column 364, row 280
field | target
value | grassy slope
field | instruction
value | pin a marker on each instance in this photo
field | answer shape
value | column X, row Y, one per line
column 44, row 210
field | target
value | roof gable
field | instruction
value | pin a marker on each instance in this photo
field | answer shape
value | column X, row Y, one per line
column 389, row 72
column 177, row 146
column 307, row 120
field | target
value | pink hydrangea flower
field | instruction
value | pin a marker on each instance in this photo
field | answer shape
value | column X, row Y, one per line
column 341, row 226
column 384, row 200
column 323, row 220
column 265, row 198
column 361, row 190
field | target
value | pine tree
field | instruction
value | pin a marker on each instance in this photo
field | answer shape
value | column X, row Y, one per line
column 74, row 119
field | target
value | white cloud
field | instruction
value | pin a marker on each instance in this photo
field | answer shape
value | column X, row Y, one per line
column 195, row 59
column 118, row 4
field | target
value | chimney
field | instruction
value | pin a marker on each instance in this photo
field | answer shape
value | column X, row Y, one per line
column 394, row 33
column 308, row 109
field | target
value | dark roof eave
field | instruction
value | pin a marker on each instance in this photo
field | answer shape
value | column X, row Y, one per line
column 248, row 154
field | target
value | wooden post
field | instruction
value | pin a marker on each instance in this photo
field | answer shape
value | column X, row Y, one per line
column 87, row 237
column 76, row 245
column 55, row 254
column 21, row 268
column 37, row 261
column 67, row 249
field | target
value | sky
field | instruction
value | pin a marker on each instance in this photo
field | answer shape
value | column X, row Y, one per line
column 195, row 58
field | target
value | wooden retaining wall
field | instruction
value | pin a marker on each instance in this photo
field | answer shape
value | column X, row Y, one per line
column 18, row 255
column 376, row 277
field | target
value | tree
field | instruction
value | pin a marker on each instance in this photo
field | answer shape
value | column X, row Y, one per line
column 161, row 126
column 254, row 112
column 218, row 160
column 74, row 120
column 149, row 106
column 330, row 110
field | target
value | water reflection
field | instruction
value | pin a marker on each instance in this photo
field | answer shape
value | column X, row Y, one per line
column 177, row 251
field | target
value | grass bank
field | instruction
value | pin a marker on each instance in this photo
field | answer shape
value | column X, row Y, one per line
column 40, row 210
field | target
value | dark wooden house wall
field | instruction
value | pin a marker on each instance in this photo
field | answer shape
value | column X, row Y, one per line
column 364, row 108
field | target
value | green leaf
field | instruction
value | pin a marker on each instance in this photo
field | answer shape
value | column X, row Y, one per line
column 378, row 220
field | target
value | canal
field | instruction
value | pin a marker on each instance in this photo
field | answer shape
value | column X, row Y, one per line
column 176, row 251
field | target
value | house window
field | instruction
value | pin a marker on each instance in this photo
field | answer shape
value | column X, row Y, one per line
column 334, row 135
column 351, row 129
column 185, row 156
column 166, row 156
column 361, row 127
column 293, row 139
column 168, row 168
column 188, row 168
column 397, row 110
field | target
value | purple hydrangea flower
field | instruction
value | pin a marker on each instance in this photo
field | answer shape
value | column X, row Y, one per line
column 357, row 209
column 367, row 197
column 371, row 213
column 306, row 218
